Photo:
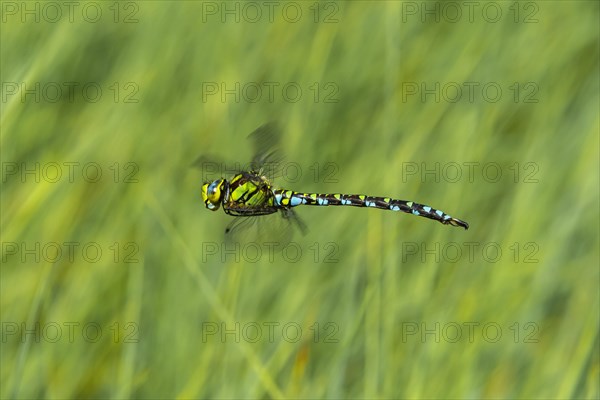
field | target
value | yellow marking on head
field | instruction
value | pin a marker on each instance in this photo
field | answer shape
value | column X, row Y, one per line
column 212, row 194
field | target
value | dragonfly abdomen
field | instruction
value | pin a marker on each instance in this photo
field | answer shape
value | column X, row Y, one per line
column 290, row 198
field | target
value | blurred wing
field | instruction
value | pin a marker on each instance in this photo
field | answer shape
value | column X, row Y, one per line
column 266, row 158
column 275, row 230
column 267, row 155
column 295, row 220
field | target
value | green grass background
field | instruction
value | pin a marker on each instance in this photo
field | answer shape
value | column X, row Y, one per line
column 375, row 289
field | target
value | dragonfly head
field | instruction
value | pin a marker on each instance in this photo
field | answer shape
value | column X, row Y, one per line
column 212, row 194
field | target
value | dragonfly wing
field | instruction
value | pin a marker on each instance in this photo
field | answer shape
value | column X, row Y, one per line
column 275, row 230
column 266, row 146
column 295, row 220
column 240, row 210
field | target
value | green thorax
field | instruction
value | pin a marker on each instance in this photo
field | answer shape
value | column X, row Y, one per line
column 251, row 190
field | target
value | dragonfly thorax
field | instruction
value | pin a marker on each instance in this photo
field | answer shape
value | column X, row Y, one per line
column 212, row 193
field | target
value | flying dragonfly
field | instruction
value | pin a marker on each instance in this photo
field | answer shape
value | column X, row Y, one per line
column 250, row 193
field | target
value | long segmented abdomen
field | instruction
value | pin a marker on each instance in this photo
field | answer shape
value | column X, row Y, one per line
column 289, row 198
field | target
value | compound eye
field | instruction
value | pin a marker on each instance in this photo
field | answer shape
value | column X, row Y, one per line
column 212, row 188
column 211, row 194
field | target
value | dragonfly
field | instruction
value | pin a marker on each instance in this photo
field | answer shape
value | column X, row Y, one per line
column 250, row 193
